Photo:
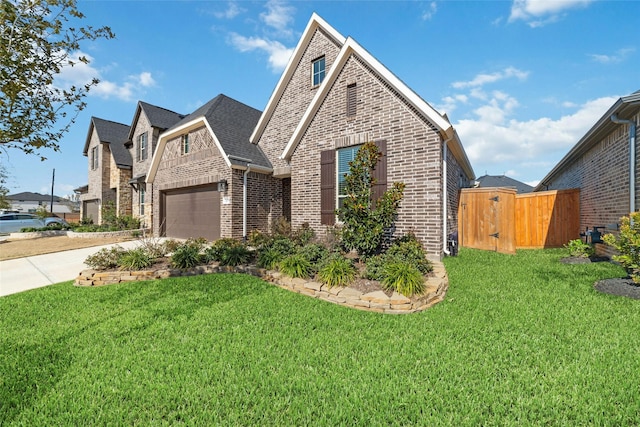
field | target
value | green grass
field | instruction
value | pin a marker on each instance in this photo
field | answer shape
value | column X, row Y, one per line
column 519, row 340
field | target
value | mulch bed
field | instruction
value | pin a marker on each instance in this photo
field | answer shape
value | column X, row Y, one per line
column 622, row 286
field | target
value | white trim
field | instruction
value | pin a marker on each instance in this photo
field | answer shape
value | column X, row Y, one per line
column 314, row 23
column 185, row 128
column 351, row 47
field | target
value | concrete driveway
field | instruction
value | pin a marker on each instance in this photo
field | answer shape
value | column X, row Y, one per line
column 22, row 274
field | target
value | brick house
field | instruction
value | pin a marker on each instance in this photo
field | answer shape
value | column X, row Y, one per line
column 110, row 169
column 332, row 97
column 208, row 180
column 149, row 121
column 601, row 166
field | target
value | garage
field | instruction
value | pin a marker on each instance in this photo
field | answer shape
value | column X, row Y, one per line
column 90, row 209
column 191, row 212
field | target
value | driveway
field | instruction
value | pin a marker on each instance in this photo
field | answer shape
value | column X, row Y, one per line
column 22, row 274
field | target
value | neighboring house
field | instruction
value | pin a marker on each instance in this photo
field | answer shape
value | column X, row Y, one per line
column 109, row 170
column 149, row 121
column 30, row 202
column 486, row 181
column 332, row 97
column 600, row 165
column 208, row 180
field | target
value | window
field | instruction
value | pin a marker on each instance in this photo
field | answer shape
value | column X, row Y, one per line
column 94, row 158
column 185, row 144
column 352, row 100
column 317, row 71
column 141, row 195
column 141, row 147
column 344, row 156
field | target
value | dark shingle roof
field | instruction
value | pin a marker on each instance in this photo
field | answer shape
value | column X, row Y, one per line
column 232, row 122
column 503, row 181
column 115, row 134
column 34, row 197
column 160, row 117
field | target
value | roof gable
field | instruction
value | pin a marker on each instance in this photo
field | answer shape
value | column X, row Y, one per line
column 503, row 181
column 352, row 48
column 230, row 122
column 314, row 23
column 158, row 117
column 112, row 133
column 28, row 196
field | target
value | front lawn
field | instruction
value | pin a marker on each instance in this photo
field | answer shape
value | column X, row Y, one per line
column 519, row 340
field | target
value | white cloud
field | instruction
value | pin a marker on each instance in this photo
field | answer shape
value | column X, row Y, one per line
column 278, row 53
column 537, row 13
column 494, row 141
column 230, row 12
column 619, row 56
column 80, row 74
column 428, row 14
column 483, row 79
column 279, row 16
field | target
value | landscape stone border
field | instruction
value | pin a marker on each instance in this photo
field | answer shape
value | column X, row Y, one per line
column 75, row 235
column 377, row 301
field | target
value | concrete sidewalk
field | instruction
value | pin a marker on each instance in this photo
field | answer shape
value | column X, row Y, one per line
column 17, row 275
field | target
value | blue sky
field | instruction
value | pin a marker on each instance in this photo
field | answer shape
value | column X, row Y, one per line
column 522, row 81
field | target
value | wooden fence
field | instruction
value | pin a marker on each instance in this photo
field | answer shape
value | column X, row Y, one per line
column 498, row 219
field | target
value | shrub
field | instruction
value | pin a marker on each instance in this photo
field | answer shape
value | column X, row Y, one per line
column 274, row 251
column 135, row 259
column 375, row 267
column 404, row 278
column 365, row 224
column 105, row 258
column 314, row 252
column 303, row 235
column 188, row 254
column 337, row 271
column 406, row 249
column 628, row 245
column 228, row 252
column 296, row 265
column 578, row 248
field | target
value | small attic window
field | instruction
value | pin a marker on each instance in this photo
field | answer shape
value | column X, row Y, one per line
column 352, row 100
column 317, row 71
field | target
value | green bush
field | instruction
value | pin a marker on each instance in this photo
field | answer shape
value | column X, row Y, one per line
column 578, row 248
column 296, row 265
column 227, row 251
column 269, row 258
column 627, row 243
column 105, row 258
column 188, row 254
column 406, row 249
column 337, row 271
column 404, row 278
column 135, row 259
column 314, row 252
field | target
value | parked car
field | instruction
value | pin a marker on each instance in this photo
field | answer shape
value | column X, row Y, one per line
column 14, row 222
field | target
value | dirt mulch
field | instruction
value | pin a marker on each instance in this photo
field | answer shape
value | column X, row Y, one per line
column 20, row 248
column 624, row 287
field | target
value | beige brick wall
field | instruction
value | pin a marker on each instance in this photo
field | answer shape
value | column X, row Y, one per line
column 414, row 154
column 99, row 179
column 142, row 167
column 602, row 174
column 296, row 98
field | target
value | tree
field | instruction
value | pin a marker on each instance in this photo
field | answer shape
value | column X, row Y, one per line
column 4, row 191
column 38, row 42
column 366, row 220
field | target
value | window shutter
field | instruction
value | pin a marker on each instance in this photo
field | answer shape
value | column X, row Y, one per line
column 138, row 150
column 380, row 172
column 327, row 187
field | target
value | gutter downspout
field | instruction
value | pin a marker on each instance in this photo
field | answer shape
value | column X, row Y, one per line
column 632, row 159
column 445, row 197
column 244, row 202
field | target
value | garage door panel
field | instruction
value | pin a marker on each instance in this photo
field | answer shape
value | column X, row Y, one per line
column 192, row 213
column 91, row 210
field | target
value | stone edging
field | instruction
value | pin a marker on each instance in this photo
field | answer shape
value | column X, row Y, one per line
column 103, row 234
column 377, row 301
column 36, row 234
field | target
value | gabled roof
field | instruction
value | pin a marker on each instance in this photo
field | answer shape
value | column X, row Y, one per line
column 158, row 117
column 34, row 197
column 112, row 133
column 625, row 108
column 314, row 23
column 230, row 123
column 349, row 48
column 503, row 181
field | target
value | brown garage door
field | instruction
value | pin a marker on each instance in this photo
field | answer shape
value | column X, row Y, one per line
column 90, row 210
column 191, row 212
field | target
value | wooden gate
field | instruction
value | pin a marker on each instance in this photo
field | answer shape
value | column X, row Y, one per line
column 498, row 219
column 485, row 219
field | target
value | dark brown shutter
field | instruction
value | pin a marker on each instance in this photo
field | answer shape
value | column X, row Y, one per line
column 380, row 172
column 327, row 187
